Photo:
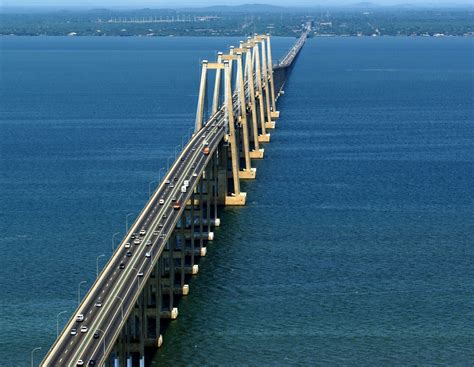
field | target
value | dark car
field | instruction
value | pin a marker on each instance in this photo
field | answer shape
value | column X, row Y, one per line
column 96, row 335
column 122, row 266
column 176, row 178
column 129, row 253
column 92, row 362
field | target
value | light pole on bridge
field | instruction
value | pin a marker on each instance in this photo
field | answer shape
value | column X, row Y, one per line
column 79, row 292
column 33, row 355
column 97, row 263
column 126, row 222
column 149, row 188
column 175, row 152
column 121, row 303
column 113, row 240
column 159, row 174
column 57, row 322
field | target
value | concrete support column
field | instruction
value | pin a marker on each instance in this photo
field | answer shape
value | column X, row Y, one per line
column 249, row 173
column 201, row 98
column 217, row 86
column 237, row 198
column 270, row 72
column 257, row 153
column 264, row 138
column 268, row 122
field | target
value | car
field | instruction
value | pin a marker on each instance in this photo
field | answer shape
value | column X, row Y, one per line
column 137, row 241
column 195, row 174
column 127, row 245
column 148, row 254
column 133, row 236
column 129, row 253
column 140, row 274
column 193, row 150
column 84, row 329
column 160, row 225
column 177, row 206
column 80, row 317
column 92, row 362
column 176, row 178
column 206, row 151
column 186, row 183
column 193, row 166
column 142, row 232
column 156, row 233
column 161, row 202
column 167, row 182
column 174, row 198
column 80, row 362
column 206, row 143
column 171, row 186
column 73, row 331
column 162, row 235
column 148, row 243
column 96, row 335
column 182, row 159
column 98, row 304
column 122, row 266
column 164, row 216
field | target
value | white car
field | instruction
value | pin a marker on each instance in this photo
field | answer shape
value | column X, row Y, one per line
column 98, row 304
column 84, row 329
column 148, row 243
column 140, row 274
column 73, row 331
column 80, row 362
column 137, row 241
column 142, row 232
column 147, row 254
column 127, row 245
column 80, row 317
column 195, row 174
column 161, row 202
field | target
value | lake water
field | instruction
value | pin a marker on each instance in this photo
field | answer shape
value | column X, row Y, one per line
column 356, row 245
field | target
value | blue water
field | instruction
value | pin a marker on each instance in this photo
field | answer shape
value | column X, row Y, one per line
column 355, row 248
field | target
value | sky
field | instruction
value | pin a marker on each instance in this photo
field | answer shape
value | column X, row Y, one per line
column 190, row 3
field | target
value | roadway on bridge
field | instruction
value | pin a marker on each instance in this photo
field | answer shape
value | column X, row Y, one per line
column 117, row 288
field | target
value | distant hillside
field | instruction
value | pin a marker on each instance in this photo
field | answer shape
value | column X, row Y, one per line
column 260, row 8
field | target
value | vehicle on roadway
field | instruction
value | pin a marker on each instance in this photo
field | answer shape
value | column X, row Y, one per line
column 73, row 331
column 171, row 186
column 183, row 188
column 148, row 243
column 80, row 362
column 195, row 174
column 161, row 202
column 174, row 198
column 96, row 335
column 140, row 274
column 127, row 245
column 186, row 183
column 177, row 206
column 137, row 241
column 84, row 329
column 92, row 362
column 122, row 266
column 206, row 150
column 143, row 232
column 167, row 182
column 98, row 304
column 129, row 253
column 148, row 254
column 80, row 317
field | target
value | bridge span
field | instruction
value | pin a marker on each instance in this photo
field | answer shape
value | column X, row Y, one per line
column 123, row 312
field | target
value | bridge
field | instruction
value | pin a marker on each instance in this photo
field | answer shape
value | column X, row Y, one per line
column 126, row 308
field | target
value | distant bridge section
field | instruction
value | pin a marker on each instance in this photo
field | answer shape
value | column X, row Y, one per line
column 283, row 68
